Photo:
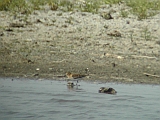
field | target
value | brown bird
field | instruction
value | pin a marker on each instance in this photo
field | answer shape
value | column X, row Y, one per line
column 107, row 90
column 74, row 76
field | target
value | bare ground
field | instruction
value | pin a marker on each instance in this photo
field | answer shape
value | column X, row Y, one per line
column 50, row 43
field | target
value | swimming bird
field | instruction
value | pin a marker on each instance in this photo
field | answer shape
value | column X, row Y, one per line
column 107, row 90
column 73, row 87
column 70, row 84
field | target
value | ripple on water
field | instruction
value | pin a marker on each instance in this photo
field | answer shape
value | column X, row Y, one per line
column 69, row 101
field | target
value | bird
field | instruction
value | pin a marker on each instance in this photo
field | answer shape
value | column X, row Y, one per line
column 74, row 76
column 107, row 90
column 69, row 75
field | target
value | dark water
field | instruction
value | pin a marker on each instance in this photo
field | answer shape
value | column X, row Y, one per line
column 51, row 100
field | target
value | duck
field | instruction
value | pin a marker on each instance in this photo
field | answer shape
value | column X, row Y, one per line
column 107, row 90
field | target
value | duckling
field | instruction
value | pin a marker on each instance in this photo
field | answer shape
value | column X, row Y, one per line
column 107, row 90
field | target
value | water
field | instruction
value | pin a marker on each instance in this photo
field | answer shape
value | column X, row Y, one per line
column 23, row 99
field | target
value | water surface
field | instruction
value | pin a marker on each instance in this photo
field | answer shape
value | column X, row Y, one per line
column 23, row 99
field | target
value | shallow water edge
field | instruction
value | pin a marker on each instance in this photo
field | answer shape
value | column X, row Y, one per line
column 23, row 99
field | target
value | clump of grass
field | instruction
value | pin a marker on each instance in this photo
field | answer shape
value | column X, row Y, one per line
column 144, row 8
column 37, row 3
column 59, row 14
column 112, row 1
column 21, row 5
column 64, row 5
column 53, row 4
column 67, row 5
column 4, row 4
column 124, row 13
column 146, row 34
column 90, row 6
column 2, row 27
column 15, row 6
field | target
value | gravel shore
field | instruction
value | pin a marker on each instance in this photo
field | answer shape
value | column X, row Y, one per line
column 50, row 43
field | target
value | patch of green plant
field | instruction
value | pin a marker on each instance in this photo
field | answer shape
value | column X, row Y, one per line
column 53, row 4
column 124, row 13
column 21, row 6
column 2, row 27
column 144, row 8
column 112, row 1
column 16, row 7
column 36, row 4
column 66, row 4
column 146, row 34
column 90, row 6
column 59, row 14
column 4, row 4
column 141, row 8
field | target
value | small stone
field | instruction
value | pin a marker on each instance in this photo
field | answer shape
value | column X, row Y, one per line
column 1, row 33
column 115, row 33
column 17, row 25
column 37, row 69
column 50, row 68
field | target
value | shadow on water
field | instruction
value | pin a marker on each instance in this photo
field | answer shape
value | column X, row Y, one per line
column 49, row 100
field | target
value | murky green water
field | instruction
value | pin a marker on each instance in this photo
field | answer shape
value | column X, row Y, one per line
column 23, row 99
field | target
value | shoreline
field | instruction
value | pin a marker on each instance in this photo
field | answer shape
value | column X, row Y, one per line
column 98, row 81
column 38, row 73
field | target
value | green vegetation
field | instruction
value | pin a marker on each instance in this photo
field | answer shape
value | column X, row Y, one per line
column 141, row 8
column 90, row 6
column 35, row 4
column 144, row 8
column 67, row 5
column 124, row 14
column 146, row 34
column 14, row 6
column 112, row 1
column 4, row 4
